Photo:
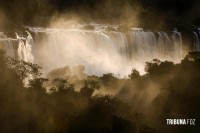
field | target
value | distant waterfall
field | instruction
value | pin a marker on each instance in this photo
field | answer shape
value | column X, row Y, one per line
column 196, row 46
column 25, row 48
column 100, row 50
column 22, row 45
column 177, row 41
column 160, row 45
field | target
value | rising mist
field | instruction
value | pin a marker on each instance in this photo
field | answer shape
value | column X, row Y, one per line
column 106, row 66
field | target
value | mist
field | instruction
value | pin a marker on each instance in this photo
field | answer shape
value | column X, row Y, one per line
column 106, row 66
column 137, row 103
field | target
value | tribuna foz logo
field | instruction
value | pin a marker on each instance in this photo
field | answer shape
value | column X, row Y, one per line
column 181, row 122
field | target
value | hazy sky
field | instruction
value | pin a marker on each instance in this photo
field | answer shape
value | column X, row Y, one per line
column 37, row 12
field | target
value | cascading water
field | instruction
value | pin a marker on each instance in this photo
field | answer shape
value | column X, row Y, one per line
column 100, row 50
column 196, row 46
column 177, row 47
column 25, row 48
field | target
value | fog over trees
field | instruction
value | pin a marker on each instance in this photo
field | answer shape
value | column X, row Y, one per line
column 62, row 102
column 140, row 104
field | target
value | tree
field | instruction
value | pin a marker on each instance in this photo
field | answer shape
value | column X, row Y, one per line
column 135, row 75
column 89, row 87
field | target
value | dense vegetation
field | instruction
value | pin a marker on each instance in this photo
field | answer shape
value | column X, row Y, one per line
column 141, row 104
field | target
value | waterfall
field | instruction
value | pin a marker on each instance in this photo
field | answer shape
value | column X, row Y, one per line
column 196, row 46
column 29, row 45
column 25, row 48
column 177, row 41
column 104, row 49
column 21, row 51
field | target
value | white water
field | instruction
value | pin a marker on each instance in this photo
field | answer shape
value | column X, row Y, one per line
column 23, row 50
column 99, row 50
column 196, row 46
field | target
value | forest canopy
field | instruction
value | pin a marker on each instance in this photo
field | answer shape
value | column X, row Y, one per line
column 139, row 104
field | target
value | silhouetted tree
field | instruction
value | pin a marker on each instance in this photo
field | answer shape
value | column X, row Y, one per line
column 134, row 108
